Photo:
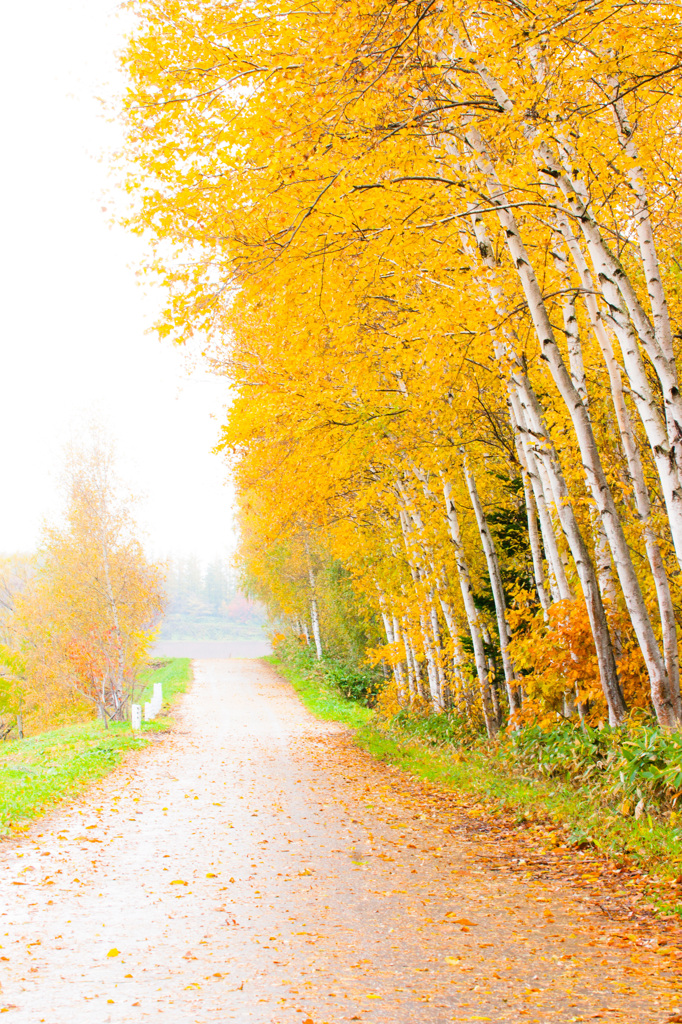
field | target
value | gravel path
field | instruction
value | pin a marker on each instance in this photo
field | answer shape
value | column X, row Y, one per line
column 255, row 867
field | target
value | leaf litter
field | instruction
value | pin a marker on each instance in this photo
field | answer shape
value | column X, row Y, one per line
column 455, row 914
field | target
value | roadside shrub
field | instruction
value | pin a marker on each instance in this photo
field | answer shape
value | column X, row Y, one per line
column 362, row 685
column 635, row 769
column 637, row 762
column 450, row 728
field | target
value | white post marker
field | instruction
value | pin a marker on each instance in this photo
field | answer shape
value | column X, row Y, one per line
column 136, row 716
column 158, row 697
column 148, row 712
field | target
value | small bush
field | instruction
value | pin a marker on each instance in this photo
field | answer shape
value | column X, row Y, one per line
column 362, row 685
column 447, row 729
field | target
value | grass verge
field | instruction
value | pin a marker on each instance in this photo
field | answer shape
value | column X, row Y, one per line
column 175, row 675
column 38, row 773
column 586, row 816
column 322, row 699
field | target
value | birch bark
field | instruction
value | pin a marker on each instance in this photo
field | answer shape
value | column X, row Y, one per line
column 533, row 532
column 548, row 484
column 525, row 404
column 664, row 434
column 314, row 616
column 470, row 610
column 488, row 545
column 596, row 478
column 535, row 469
column 656, row 339
column 427, row 645
column 391, row 639
column 634, row 461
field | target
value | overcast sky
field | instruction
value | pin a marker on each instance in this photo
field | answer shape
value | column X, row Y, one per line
column 73, row 318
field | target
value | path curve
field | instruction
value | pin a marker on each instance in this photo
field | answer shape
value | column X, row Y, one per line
column 255, row 867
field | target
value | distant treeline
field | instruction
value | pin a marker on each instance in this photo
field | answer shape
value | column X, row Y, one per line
column 204, row 602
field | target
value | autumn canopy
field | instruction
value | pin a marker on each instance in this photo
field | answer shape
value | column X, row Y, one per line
column 437, row 249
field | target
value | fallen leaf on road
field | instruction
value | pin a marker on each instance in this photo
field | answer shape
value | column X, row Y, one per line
column 113, row 952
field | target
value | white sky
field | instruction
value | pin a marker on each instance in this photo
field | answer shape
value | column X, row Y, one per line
column 73, row 317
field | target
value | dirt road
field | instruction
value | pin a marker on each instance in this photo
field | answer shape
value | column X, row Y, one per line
column 254, row 867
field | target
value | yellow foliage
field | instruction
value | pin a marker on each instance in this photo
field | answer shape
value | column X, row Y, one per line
column 86, row 620
column 421, row 242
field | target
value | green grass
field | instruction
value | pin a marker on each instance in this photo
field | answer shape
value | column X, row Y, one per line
column 38, row 773
column 175, row 675
column 586, row 815
column 323, row 700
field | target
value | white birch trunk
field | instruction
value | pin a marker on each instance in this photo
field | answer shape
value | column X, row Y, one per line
column 392, row 640
column 546, row 477
column 314, row 616
column 534, row 469
column 492, row 562
column 635, row 468
column 431, row 668
column 413, row 661
column 645, row 232
column 470, row 610
column 596, row 478
column 656, row 338
column 586, row 572
column 544, row 494
column 494, row 696
column 533, row 532
column 403, row 680
column 458, row 661
column 438, row 650
column 315, row 622
column 664, row 435
column 427, row 645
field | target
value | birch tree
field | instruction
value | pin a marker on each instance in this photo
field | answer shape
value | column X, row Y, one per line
column 455, row 232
